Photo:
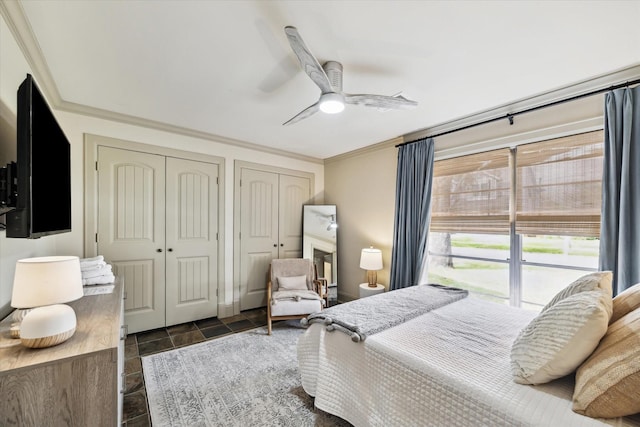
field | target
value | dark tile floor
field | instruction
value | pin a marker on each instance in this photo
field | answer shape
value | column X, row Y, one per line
column 136, row 409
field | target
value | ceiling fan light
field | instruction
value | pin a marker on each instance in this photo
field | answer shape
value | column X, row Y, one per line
column 331, row 103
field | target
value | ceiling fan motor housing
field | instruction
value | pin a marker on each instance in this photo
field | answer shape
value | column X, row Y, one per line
column 333, row 70
column 328, row 77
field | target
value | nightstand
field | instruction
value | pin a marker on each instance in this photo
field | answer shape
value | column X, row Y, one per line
column 332, row 294
column 366, row 290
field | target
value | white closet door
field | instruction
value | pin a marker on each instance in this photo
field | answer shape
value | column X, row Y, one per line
column 271, row 227
column 258, row 235
column 131, row 230
column 294, row 192
column 192, row 230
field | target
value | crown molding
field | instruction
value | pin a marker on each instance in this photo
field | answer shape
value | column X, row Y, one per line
column 152, row 124
column 19, row 26
column 365, row 150
column 600, row 82
column 604, row 81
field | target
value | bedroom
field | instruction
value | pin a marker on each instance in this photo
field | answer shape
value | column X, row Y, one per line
column 359, row 180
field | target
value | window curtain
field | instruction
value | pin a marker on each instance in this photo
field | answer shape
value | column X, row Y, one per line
column 620, row 218
column 413, row 209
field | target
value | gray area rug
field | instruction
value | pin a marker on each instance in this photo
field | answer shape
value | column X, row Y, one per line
column 245, row 379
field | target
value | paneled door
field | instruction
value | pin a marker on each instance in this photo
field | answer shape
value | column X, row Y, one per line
column 271, row 227
column 294, row 193
column 131, row 230
column 192, row 233
column 158, row 227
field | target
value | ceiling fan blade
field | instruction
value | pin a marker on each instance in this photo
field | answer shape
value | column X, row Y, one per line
column 309, row 63
column 312, row 109
column 398, row 102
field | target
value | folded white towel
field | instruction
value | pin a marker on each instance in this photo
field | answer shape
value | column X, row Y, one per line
column 95, row 272
column 93, row 265
column 92, row 259
column 100, row 280
column 88, row 265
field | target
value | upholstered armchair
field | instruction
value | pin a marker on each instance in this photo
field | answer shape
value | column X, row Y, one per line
column 293, row 290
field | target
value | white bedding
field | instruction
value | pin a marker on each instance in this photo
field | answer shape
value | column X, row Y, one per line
column 448, row 367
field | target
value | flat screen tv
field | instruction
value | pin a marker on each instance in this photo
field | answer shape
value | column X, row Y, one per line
column 43, row 169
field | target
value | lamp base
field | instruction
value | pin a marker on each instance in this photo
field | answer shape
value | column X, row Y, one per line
column 19, row 314
column 372, row 278
column 47, row 341
column 47, row 326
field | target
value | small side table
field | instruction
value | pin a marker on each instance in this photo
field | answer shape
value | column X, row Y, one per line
column 366, row 290
column 332, row 294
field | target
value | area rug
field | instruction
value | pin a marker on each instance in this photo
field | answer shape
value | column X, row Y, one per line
column 244, row 379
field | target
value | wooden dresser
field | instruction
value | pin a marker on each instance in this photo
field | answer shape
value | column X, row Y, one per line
column 76, row 383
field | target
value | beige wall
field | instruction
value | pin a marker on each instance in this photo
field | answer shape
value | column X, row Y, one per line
column 362, row 186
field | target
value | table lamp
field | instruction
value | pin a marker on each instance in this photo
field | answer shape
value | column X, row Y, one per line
column 41, row 286
column 371, row 260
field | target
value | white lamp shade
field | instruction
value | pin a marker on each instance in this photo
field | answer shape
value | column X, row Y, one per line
column 371, row 259
column 46, row 280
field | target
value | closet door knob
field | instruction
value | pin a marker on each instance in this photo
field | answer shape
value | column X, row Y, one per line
column 170, row 249
column 275, row 245
column 158, row 250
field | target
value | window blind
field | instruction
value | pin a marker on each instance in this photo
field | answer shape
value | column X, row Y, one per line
column 559, row 185
column 471, row 193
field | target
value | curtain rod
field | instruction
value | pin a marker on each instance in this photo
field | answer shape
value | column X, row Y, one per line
column 510, row 116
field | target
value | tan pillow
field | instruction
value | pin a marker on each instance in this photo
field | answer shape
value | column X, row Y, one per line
column 625, row 302
column 292, row 283
column 608, row 382
column 559, row 339
column 589, row 282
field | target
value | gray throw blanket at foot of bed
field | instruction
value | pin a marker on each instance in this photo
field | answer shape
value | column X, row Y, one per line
column 366, row 316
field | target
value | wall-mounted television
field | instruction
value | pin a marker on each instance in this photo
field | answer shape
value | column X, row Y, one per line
column 43, row 169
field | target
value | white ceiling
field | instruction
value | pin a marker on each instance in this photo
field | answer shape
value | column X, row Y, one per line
column 225, row 68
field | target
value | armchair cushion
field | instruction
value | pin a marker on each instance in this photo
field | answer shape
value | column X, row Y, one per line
column 292, row 282
column 291, row 307
column 291, row 267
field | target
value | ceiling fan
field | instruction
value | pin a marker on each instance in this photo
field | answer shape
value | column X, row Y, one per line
column 328, row 78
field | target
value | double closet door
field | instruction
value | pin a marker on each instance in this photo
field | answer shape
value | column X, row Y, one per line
column 270, row 227
column 158, row 228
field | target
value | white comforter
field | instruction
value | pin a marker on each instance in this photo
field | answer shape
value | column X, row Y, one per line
column 449, row 367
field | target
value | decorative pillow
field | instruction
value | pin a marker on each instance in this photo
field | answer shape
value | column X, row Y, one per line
column 608, row 382
column 589, row 282
column 559, row 339
column 292, row 283
column 625, row 302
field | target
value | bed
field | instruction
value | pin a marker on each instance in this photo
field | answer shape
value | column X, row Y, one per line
column 447, row 367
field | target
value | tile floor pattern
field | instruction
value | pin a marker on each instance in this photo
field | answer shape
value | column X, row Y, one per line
column 136, row 409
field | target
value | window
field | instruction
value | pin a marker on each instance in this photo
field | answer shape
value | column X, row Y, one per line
column 518, row 225
column 477, row 262
column 471, row 193
column 559, row 186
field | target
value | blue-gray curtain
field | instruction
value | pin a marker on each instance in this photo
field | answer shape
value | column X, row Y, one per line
column 620, row 221
column 413, row 212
